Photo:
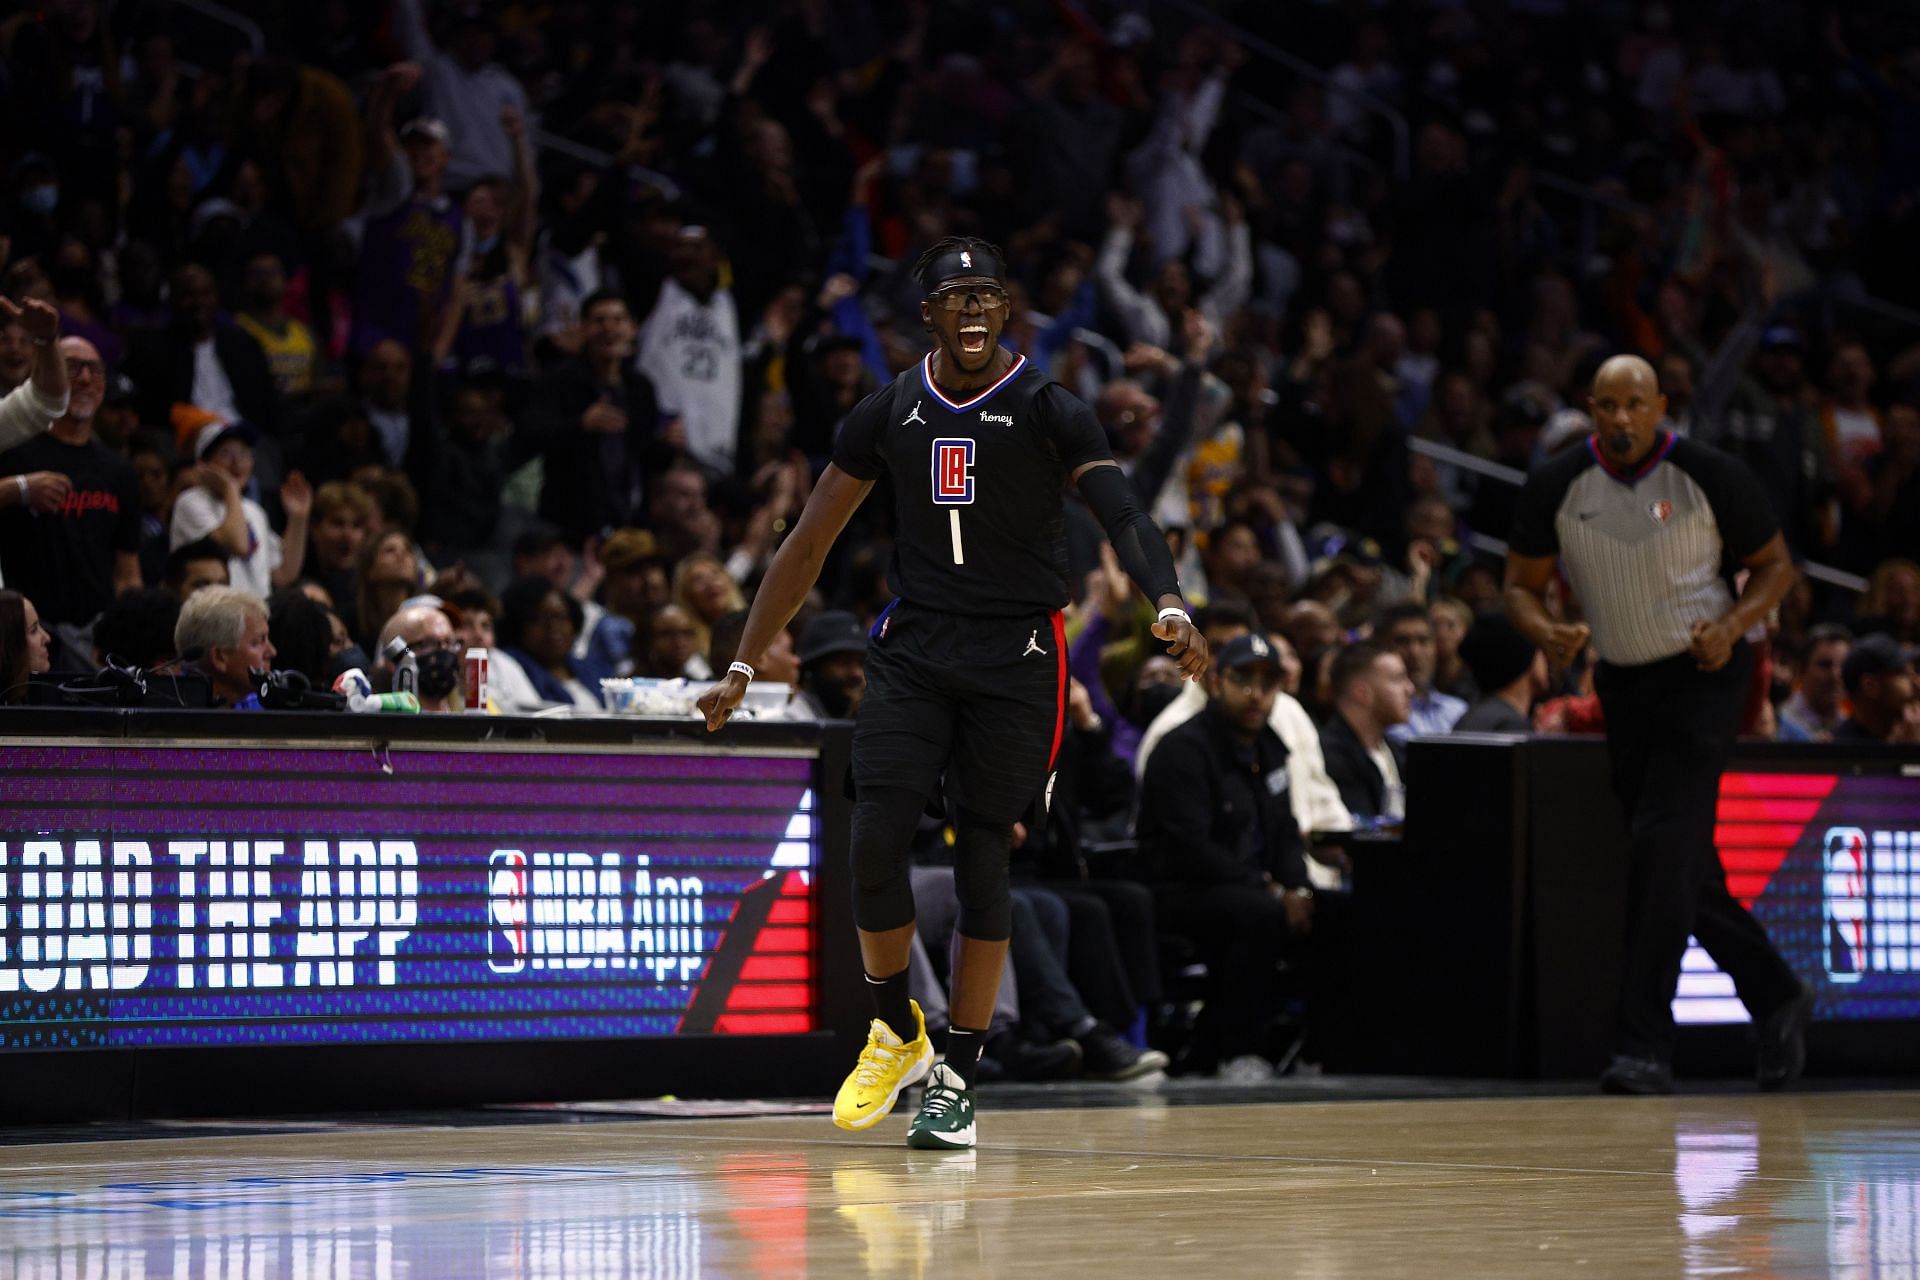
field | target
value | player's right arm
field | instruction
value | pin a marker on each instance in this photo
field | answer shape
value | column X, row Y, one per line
column 795, row 568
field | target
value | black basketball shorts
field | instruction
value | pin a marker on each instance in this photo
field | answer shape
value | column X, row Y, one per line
column 980, row 702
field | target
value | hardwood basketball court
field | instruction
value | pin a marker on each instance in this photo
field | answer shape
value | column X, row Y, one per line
column 1703, row 1184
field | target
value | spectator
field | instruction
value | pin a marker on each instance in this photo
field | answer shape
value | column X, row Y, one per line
column 214, row 506
column 70, row 534
column 137, row 630
column 1407, row 630
column 223, row 635
column 1880, row 680
column 302, row 632
column 25, row 646
column 1891, row 603
column 388, row 398
column 1849, row 420
column 1451, row 675
column 629, row 559
column 596, row 424
column 479, row 611
column 193, row 565
column 1372, row 693
column 342, row 516
column 16, row 355
column 386, row 573
column 702, row 586
column 1217, row 827
column 305, row 120
column 690, row 351
column 539, row 552
column 202, row 360
column 428, row 632
column 465, row 88
column 833, row 667
column 293, row 359
column 32, row 350
column 666, row 643
column 683, row 523
column 1512, row 670
column 484, row 328
column 414, row 231
column 153, row 467
column 532, row 670
column 1316, row 800
column 1815, row 709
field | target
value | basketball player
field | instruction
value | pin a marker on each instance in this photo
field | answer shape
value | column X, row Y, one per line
column 967, row 670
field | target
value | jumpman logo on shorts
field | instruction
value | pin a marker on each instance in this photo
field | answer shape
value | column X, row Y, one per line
column 1033, row 645
column 914, row 417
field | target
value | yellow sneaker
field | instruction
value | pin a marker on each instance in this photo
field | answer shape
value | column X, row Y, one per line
column 887, row 1065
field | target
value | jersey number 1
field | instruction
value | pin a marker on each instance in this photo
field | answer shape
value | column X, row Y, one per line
column 953, row 485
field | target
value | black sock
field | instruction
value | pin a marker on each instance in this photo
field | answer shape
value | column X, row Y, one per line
column 890, row 1004
column 963, row 1052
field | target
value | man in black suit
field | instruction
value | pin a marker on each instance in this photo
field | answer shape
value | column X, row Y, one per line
column 1371, row 691
column 598, row 425
column 200, row 359
column 1217, row 828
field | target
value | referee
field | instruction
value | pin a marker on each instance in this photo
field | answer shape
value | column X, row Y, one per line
column 1652, row 529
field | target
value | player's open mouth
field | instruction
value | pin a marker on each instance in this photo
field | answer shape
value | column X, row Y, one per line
column 973, row 338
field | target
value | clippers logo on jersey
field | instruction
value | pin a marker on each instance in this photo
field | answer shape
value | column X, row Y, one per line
column 952, row 473
column 1661, row 511
column 507, row 911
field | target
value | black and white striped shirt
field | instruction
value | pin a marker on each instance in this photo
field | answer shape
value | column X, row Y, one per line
column 1650, row 552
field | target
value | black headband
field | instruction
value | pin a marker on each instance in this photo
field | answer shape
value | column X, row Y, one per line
column 969, row 262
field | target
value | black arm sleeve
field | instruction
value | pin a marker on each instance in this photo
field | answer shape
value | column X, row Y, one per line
column 1136, row 539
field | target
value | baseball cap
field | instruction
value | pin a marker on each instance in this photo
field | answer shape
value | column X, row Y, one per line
column 1876, row 655
column 426, row 127
column 120, row 389
column 1495, row 651
column 625, row 548
column 834, row 631
column 1249, row 650
column 215, row 434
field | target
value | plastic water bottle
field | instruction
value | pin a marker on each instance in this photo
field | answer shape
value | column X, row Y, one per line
column 406, row 667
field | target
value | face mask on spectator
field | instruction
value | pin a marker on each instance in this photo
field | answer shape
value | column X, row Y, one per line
column 439, row 672
column 42, row 199
column 1151, row 702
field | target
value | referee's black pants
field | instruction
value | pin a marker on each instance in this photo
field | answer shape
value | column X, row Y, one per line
column 1670, row 727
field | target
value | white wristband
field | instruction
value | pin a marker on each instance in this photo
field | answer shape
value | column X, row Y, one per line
column 742, row 668
column 21, row 480
column 1174, row 613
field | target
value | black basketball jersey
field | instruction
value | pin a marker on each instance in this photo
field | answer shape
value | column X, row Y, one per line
column 978, row 485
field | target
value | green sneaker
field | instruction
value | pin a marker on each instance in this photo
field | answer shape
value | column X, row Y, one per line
column 945, row 1122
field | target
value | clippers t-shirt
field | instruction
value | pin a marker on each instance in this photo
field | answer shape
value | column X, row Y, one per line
column 63, row 560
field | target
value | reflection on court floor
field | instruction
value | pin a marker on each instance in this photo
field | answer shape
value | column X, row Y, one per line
column 1726, row 1185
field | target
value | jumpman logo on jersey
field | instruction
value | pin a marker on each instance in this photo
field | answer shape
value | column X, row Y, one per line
column 1033, row 645
column 914, row 417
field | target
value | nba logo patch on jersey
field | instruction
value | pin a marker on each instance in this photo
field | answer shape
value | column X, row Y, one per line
column 1661, row 511
column 952, row 473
